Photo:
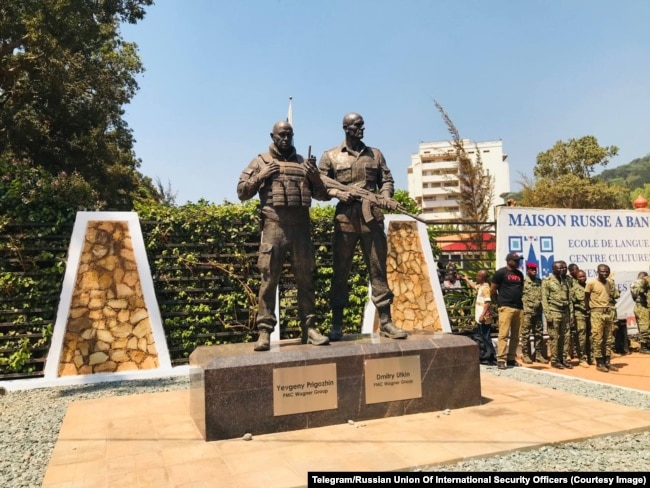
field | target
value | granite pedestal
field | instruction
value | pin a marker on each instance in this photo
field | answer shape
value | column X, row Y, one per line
column 235, row 390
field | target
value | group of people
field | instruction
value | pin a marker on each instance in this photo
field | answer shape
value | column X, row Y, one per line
column 580, row 315
column 286, row 184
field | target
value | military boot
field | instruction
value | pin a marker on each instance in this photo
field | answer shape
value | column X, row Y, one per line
column 539, row 356
column 316, row 338
column 387, row 328
column 525, row 353
column 263, row 340
column 541, row 359
column 600, row 365
column 609, row 366
column 336, row 333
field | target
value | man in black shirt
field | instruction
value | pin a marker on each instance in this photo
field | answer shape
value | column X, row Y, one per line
column 507, row 292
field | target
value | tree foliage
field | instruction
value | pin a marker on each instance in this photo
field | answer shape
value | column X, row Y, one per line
column 31, row 194
column 633, row 175
column 65, row 74
column 564, row 178
column 578, row 157
column 405, row 200
column 571, row 191
column 476, row 188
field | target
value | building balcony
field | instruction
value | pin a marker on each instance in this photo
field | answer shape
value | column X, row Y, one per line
column 438, row 158
column 440, row 190
column 439, row 165
column 428, row 206
column 440, row 216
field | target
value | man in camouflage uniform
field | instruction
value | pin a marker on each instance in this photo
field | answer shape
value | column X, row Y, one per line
column 558, row 309
column 357, row 165
column 600, row 301
column 640, row 289
column 581, row 318
column 571, row 344
column 286, row 184
column 532, row 325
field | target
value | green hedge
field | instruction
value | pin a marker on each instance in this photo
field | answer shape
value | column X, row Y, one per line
column 203, row 260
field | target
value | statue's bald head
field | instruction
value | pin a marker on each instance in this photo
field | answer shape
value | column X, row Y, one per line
column 351, row 118
column 353, row 126
column 282, row 136
column 281, row 125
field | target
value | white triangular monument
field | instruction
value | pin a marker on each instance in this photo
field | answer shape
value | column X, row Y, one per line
column 418, row 303
column 108, row 321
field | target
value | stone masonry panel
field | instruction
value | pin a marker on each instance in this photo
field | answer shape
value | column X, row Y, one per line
column 108, row 327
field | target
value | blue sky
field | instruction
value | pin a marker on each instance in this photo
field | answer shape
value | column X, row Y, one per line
column 220, row 73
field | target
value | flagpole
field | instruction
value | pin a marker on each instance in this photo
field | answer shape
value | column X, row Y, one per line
column 290, row 112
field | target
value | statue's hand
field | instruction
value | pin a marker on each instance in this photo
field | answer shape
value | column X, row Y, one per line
column 345, row 196
column 268, row 170
column 387, row 203
column 311, row 171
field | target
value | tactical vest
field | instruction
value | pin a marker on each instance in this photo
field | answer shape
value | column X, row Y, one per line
column 289, row 187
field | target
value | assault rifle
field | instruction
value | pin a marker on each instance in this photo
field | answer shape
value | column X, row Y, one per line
column 367, row 197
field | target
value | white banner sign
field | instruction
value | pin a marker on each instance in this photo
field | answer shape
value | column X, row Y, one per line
column 617, row 238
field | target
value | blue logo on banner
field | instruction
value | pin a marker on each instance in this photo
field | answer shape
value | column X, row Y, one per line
column 535, row 249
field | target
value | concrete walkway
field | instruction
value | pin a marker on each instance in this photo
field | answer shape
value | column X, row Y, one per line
column 150, row 440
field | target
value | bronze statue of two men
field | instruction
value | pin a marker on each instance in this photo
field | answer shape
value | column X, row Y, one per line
column 286, row 183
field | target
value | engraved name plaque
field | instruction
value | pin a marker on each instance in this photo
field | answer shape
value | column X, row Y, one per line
column 395, row 378
column 304, row 389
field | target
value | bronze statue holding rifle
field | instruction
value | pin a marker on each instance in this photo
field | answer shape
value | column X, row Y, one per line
column 367, row 197
column 357, row 175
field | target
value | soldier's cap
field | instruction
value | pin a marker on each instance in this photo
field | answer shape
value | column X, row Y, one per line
column 513, row 255
column 531, row 266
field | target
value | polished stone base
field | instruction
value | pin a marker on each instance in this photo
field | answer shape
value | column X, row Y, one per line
column 232, row 387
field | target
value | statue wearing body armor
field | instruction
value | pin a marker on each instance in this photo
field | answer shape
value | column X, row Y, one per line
column 286, row 184
column 288, row 187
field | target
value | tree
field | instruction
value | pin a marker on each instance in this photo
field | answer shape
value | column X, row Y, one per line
column 167, row 194
column 576, row 156
column 634, row 174
column 475, row 196
column 31, row 194
column 65, row 74
column 563, row 177
column 403, row 197
column 571, row 191
column 476, row 188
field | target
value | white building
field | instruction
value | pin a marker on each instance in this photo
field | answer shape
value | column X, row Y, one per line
column 433, row 176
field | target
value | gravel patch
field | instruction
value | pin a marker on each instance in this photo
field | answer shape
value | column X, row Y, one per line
column 30, row 421
column 625, row 452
